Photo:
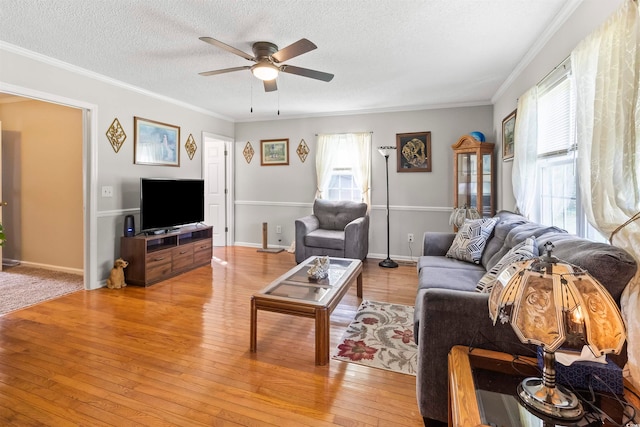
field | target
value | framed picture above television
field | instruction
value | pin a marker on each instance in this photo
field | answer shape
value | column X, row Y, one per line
column 155, row 143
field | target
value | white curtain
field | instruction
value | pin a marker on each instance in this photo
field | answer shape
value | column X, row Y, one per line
column 525, row 152
column 350, row 149
column 606, row 71
column 324, row 163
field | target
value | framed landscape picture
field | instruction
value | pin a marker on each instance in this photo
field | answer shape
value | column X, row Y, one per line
column 155, row 143
column 274, row 152
column 508, row 132
column 414, row 151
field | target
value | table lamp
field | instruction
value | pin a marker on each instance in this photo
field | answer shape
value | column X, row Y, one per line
column 549, row 302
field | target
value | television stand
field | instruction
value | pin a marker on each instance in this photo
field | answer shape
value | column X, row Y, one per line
column 156, row 257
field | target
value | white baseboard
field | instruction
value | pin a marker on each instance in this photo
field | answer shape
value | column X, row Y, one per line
column 77, row 271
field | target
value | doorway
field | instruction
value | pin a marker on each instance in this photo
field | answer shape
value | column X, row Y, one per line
column 88, row 184
column 42, row 184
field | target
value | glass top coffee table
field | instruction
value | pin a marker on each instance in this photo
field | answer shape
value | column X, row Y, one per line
column 294, row 293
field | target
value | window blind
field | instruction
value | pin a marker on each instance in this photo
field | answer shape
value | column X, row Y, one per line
column 555, row 117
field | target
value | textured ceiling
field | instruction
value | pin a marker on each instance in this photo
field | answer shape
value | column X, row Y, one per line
column 385, row 54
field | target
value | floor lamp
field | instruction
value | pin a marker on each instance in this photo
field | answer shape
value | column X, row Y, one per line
column 385, row 151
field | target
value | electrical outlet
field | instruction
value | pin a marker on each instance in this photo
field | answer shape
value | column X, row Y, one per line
column 107, row 191
column 410, row 237
column 278, row 229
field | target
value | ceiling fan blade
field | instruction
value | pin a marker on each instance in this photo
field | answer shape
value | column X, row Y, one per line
column 293, row 50
column 305, row 72
column 224, row 70
column 270, row 85
column 226, row 47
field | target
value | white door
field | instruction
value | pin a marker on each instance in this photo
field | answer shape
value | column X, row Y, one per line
column 215, row 194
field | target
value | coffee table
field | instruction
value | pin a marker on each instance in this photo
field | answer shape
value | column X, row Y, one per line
column 294, row 293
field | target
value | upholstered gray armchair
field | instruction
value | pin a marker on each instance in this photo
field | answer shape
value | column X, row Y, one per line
column 336, row 228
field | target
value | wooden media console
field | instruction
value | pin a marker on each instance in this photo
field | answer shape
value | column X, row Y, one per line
column 153, row 258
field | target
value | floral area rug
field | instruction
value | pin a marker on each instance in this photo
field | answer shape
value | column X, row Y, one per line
column 380, row 336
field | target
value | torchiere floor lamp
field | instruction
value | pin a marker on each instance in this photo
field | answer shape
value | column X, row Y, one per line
column 385, row 151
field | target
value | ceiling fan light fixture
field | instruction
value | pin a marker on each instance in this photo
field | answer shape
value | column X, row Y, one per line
column 265, row 71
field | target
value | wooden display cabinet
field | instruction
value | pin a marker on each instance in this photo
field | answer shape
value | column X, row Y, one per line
column 474, row 175
column 154, row 258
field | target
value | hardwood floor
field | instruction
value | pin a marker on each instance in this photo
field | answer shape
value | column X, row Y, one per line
column 177, row 354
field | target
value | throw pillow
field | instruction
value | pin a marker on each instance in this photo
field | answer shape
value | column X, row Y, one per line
column 471, row 239
column 520, row 252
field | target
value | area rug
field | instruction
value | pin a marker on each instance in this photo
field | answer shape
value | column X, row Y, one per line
column 23, row 286
column 380, row 336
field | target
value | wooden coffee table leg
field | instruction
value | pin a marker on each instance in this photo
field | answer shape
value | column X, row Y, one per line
column 359, row 285
column 322, row 336
column 253, row 332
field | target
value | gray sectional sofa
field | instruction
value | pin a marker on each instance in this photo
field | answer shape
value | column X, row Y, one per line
column 450, row 311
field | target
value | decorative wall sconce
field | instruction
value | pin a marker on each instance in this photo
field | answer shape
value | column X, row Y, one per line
column 191, row 146
column 302, row 150
column 248, row 152
column 116, row 135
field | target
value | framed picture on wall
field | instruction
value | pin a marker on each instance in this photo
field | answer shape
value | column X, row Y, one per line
column 274, row 152
column 155, row 143
column 414, row 151
column 508, row 132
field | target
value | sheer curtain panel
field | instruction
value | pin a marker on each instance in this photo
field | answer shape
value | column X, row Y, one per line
column 606, row 72
column 524, row 176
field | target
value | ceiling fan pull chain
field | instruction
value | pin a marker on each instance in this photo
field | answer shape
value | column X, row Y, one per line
column 251, row 95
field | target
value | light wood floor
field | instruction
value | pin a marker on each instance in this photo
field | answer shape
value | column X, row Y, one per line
column 177, row 354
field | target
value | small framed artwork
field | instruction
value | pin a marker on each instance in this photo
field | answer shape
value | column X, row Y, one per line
column 274, row 152
column 155, row 143
column 414, row 151
column 508, row 132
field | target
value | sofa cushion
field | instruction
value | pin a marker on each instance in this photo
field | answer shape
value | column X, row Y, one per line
column 506, row 221
column 613, row 267
column 471, row 239
column 443, row 262
column 522, row 251
column 462, row 279
column 518, row 234
column 330, row 239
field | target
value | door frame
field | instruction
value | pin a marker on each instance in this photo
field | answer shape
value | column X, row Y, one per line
column 229, row 182
column 89, row 172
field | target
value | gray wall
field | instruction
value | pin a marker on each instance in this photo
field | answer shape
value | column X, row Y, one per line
column 419, row 202
column 113, row 100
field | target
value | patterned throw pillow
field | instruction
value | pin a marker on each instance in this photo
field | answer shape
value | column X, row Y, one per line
column 471, row 239
column 520, row 252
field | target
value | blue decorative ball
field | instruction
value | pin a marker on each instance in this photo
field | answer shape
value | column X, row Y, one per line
column 479, row 136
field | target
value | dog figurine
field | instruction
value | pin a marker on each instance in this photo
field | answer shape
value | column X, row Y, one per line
column 116, row 277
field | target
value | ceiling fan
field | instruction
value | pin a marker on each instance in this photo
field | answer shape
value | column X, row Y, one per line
column 268, row 61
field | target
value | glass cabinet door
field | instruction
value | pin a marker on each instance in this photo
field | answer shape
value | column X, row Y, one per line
column 473, row 175
column 467, row 183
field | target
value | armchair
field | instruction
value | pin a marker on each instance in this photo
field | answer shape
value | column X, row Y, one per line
column 336, row 228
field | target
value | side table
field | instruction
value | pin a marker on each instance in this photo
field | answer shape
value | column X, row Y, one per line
column 482, row 392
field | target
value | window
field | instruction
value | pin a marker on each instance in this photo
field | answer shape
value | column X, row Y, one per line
column 343, row 165
column 342, row 186
column 558, row 201
column 557, row 186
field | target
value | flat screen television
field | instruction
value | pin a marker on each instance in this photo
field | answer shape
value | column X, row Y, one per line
column 169, row 203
